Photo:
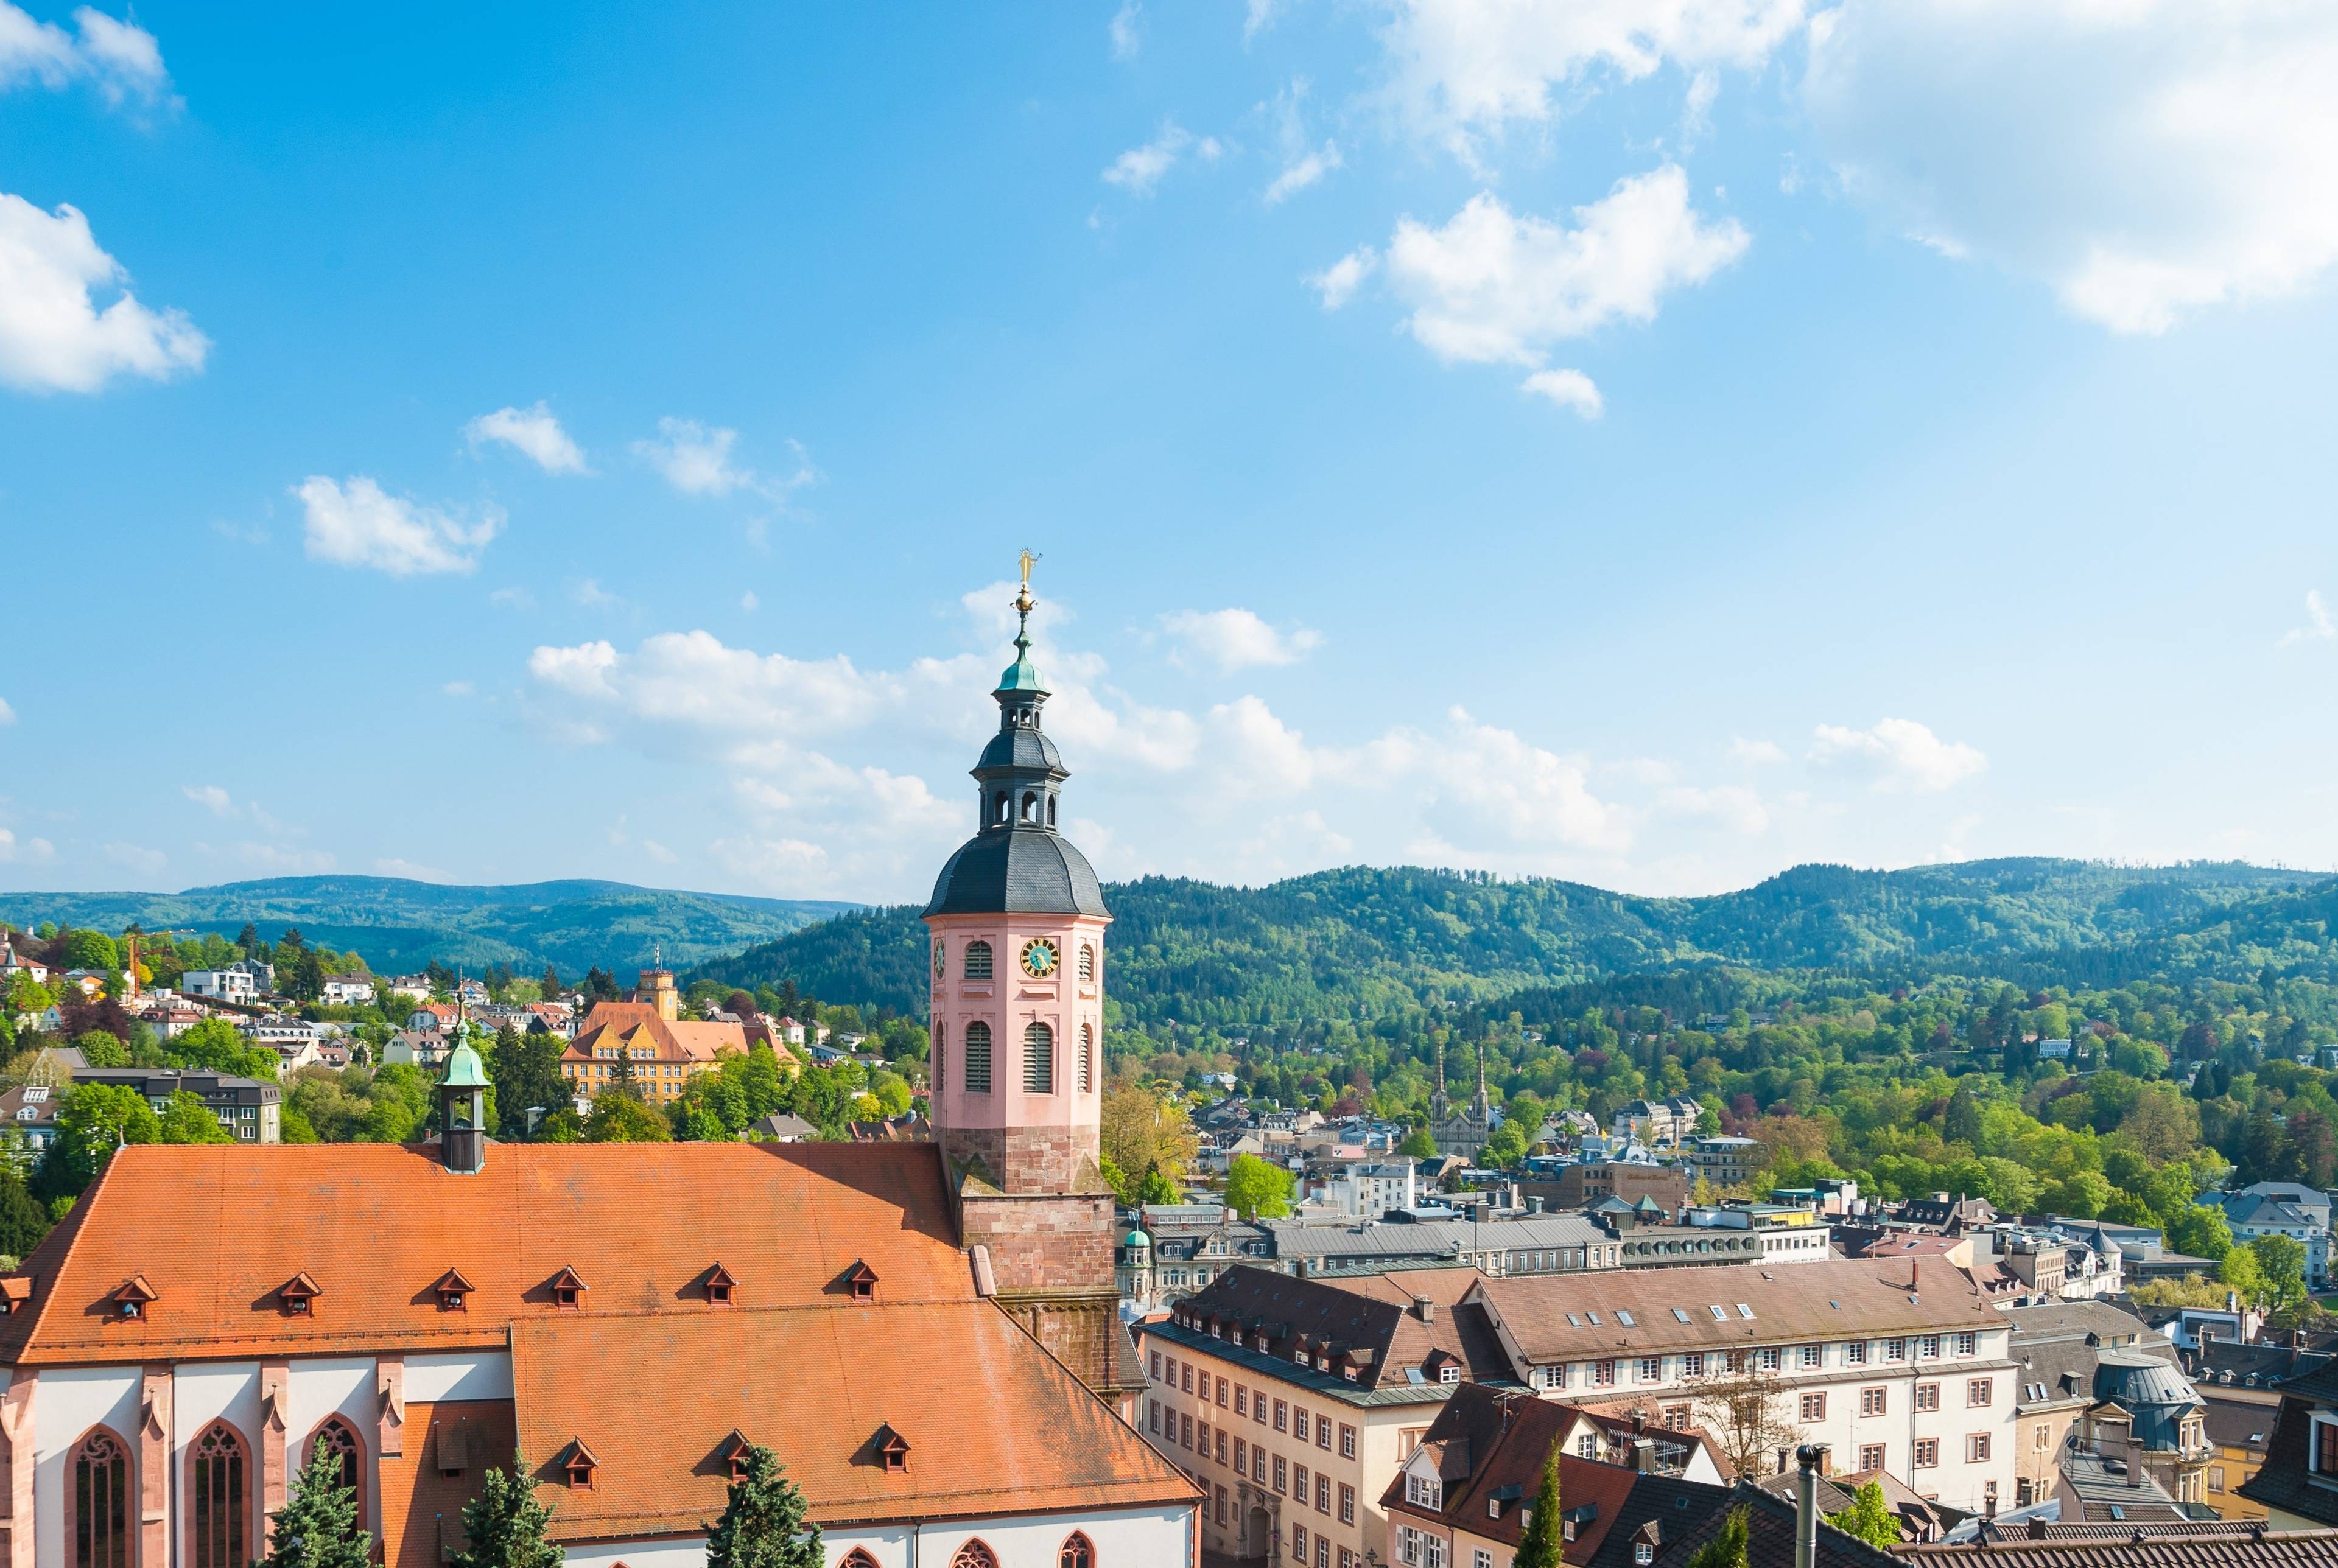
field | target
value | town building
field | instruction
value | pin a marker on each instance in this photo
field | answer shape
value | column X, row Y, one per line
column 1463, row 1131
column 1659, row 1123
column 231, row 984
column 30, row 1112
column 1579, row 1184
column 1292, row 1402
column 1900, row 1367
column 1366, row 1190
column 1725, row 1161
column 252, row 1112
column 2063, row 1351
column 649, row 1035
column 347, row 991
column 2285, row 1208
column 413, row 987
column 13, row 964
column 427, row 1310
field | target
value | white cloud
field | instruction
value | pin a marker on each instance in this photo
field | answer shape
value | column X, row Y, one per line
column 12, row 849
column 1462, row 69
column 136, row 858
column 54, row 337
column 457, row 688
column 592, row 596
column 1237, row 639
column 1901, row 753
column 1568, row 389
column 1125, row 39
column 120, row 57
column 1730, row 806
column 1756, row 753
column 210, row 797
column 1338, row 282
column 1140, row 169
column 8, row 714
column 363, row 525
column 535, row 433
column 694, row 458
column 2319, row 626
column 391, row 865
column 1491, row 286
column 1257, row 16
column 659, row 852
column 2145, row 159
column 1304, row 171
column 1517, row 794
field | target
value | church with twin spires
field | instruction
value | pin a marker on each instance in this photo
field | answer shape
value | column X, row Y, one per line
column 926, row 1334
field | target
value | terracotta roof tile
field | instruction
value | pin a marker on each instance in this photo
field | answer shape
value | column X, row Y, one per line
column 992, row 1421
column 215, row 1230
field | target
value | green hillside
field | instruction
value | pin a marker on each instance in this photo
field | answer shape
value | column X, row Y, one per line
column 1364, row 940
column 396, row 924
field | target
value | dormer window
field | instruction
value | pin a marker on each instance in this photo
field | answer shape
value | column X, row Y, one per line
column 133, row 1298
column 567, row 1289
column 452, row 1290
column 299, row 1295
column 861, row 1282
column 580, row 1464
column 719, row 1284
column 736, row 1453
column 14, row 1292
column 892, row 1449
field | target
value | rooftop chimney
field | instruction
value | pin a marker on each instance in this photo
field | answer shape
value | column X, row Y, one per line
column 1424, row 1309
column 1806, row 1504
column 1644, row 1455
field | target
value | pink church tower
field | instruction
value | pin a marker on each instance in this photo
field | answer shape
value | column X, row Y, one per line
column 1017, row 921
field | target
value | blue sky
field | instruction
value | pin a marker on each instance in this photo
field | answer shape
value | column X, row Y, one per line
column 1654, row 444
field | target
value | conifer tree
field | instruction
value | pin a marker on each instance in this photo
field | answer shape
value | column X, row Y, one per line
column 317, row 1526
column 762, row 1524
column 1544, row 1541
column 1726, row 1550
column 505, row 1524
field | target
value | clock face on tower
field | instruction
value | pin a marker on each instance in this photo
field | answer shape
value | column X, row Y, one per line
column 1039, row 957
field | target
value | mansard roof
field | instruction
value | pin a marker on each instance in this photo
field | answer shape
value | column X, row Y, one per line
column 1018, row 870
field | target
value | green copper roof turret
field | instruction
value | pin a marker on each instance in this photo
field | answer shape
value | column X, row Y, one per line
column 464, row 1068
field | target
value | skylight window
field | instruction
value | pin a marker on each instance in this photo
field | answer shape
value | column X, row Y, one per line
column 1573, row 1321
column 1744, row 1311
column 1679, row 1314
column 1623, row 1316
column 1594, row 1318
column 1718, row 1315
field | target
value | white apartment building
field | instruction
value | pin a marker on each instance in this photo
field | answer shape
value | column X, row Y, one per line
column 1902, row 1365
column 1368, row 1190
column 347, row 990
column 220, row 985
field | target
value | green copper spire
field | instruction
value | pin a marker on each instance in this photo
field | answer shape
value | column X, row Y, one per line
column 1023, row 675
column 464, row 1068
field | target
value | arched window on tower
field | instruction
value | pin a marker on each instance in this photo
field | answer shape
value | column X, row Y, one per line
column 1087, row 962
column 1001, row 804
column 1087, row 1058
column 1077, row 1553
column 98, row 1521
column 218, row 1481
column 1051, row 810
column 977, row 1057
column 1039, row 1060
column 978, row 960
column 1030, row 806
column 939, row 1075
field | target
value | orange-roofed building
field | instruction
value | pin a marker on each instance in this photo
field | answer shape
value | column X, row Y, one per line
column 924, row 1332
column 663, row 1052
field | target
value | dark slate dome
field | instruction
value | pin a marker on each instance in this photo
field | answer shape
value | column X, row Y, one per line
column 2155, row 1392
column 1018, row 870
column 1020, row 748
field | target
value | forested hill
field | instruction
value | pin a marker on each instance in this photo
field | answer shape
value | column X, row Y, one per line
column 1362, row 939
column 397, row 925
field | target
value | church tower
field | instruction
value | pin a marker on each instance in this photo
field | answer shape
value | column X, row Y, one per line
column 1016, row 922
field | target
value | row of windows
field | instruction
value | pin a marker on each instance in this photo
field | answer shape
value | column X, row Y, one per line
column 100, row 1519
column 1348, row 1558
column 1077, row 1552
column 1039, row 1059
column 978, row 961
column 1606, row 1374
column 1288, row 1477
column 1979, row 1392
column 1289, row 1416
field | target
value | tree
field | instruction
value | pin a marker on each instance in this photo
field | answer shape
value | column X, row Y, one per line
column 214, row 1044
column 1140, row 1127
column 1257, row 1188
column 186, row 1119
column 23, row 1220
column 550, row 985
column 622, row 1119
column 1418, row 1145
column 92, row 1121
column 1743, row 1408
column 1543, row 1542
column 318, row 1527
column 622, row 1084
column 527, row 1077
column 248, row 939
column 91, row 950
column 2202, row 1231
column 2241, row 1275
column 306, row 981
column 1157, row 1188
column 763, row 1524
column 1869, row 1518
column 2281, row 1269
column 1505, row 1147
column 1726, row 1550
column 504, row 1524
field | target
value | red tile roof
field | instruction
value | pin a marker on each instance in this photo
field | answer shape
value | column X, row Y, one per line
column 215, row 1230
column 993, row 1423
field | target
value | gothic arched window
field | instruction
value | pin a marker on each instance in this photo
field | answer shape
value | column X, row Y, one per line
column 941, row 1038
column 855, row 1558
column 98, row 1515
column 336, row 1436
column 1087, row 962
column 978, row 960
column 218, row 1475
column 977, row 1057
column 1039, row 1060
column 1087, row 1057
column 975, row 1555
column 1076, row 1553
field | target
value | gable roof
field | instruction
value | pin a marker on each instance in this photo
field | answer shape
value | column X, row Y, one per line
column 1770, row 1533
column 666, row 1392
column 217, row 1227
column 1371, row 1314
column 639, row 1023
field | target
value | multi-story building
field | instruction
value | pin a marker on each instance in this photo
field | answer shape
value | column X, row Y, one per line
column 1367, row 1189
column 649, row 1035
column 1580, row 1184
column 1292, row 1402
column 1659, row 1123
column 1724, row 1161
column 230, row 985
column 2061, row 1346
column 1515, row 1244
column 1907, row 1371
column 2285, row 1208
column 251, row 1110
column 346, row 990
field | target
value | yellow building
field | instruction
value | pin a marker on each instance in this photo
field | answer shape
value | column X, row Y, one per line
column 2240, row 1422
column 649, row 1035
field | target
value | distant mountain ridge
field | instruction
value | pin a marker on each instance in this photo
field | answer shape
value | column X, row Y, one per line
column 1362, row 939
column 397, row 925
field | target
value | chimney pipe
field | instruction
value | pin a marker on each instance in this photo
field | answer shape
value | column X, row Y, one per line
column 1424, row 1309
column 1644, row 1455
column 1806, row 1504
